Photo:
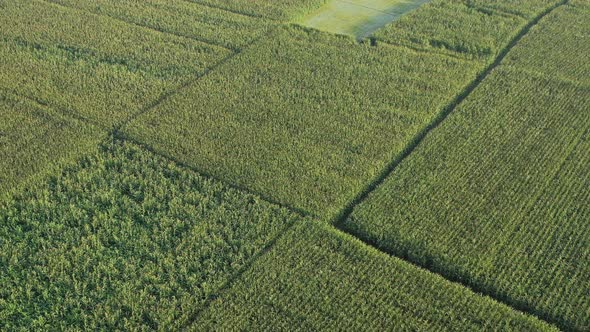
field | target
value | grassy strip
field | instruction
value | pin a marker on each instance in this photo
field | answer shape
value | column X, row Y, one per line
column 35, row 140
column 99, row 67
column 358, row 18
column 465, row 27
column 180, row 17
column 467, row 200
column 125, row 240
column 304, row 117
column 316, row 278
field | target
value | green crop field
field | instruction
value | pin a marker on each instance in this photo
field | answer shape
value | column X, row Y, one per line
column 309, row 119
column 316, row 278
column 141, row 241
column 34, row 139
column 520, row 231
column 100, row 68
column 179, row 17
column 308, row 165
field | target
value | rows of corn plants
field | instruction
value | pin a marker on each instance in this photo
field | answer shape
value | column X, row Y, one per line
column 567, row 30
column 468, row 28
column 189, row 19
column 310, row 119
column 302, row 116
column 125, row 239
column 35, row 139
column 280, row 10
column 103, row 69
column 318, row 279
column 497, row 196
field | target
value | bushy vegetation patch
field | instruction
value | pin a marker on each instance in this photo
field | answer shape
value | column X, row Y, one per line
column 125, row 240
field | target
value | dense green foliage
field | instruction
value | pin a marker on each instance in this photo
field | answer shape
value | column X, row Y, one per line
column 35, row 140
column 497, row 197
column 560, row 45
column 124, row 240
column 283, row 10
column 462, row 26
column 181, row 17
column 304, row 117
column 100, row 68
column 319, row 279
column 130, row 237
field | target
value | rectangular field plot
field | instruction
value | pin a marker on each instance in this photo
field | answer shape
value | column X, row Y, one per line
column 35, row 140
column 318, row 279
column 304, row 117
column 462, row 27
column 358, row 18
column 125, row 240
column 497, row 197
column 283, row 10
column 560, row 47
column 100, row 68
column 181, row 17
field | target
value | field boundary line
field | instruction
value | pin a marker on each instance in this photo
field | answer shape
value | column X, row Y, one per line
column 200, row 40
column 450, row 54
column 299, row 212
column 255, row 16
column 164, row 96
column 345, row 213
column 72, row 114
column 495, row 11
column 237, row 275
column 446, row 279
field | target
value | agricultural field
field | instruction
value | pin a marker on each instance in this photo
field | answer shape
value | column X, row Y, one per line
column 182, row 18
column 568, row 28
column 105, row 71
column 278, row 10
column 34, row 139
column 460, row 30
column 317, row 278
column 140, row 240
column 309, row 119
column 520, row 231
column 301, row 165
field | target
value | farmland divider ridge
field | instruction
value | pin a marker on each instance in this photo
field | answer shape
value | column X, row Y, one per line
column 259, row 17
column 346, row 212
column 200, row 40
